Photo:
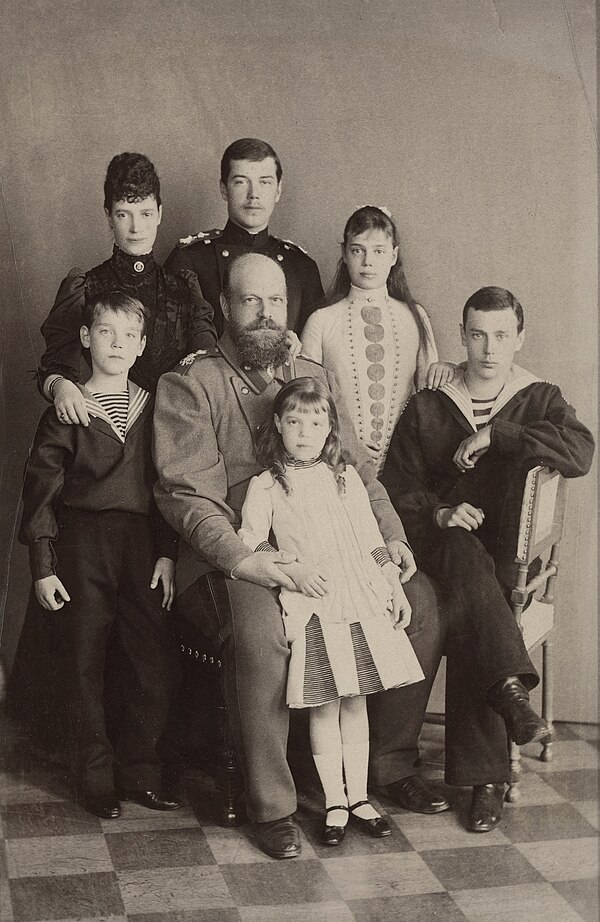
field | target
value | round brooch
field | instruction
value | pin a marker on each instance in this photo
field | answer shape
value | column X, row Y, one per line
column 138, row 266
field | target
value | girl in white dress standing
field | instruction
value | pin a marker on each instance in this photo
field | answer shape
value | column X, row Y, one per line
column 374, row 336
column 340, row 622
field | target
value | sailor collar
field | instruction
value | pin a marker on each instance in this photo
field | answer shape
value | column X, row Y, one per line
column 518, row 379
column 138, row 398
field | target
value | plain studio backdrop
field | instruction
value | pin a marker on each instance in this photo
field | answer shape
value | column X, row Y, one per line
column 473, row 121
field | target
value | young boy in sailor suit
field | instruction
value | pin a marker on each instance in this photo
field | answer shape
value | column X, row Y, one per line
column 98, row 551
column 455, row 473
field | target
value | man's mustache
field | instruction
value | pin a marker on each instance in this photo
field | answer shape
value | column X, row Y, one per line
column 263, row 323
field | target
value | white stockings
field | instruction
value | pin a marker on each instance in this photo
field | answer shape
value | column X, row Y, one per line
column 339, row 739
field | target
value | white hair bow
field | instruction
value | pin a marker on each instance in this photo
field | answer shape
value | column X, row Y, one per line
column 383, row 208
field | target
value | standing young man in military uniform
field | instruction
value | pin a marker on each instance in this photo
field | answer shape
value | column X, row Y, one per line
column 251, row 185
column 207, row 415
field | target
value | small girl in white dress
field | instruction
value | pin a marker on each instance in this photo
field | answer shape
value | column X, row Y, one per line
column 340, row 622
column 374, row 336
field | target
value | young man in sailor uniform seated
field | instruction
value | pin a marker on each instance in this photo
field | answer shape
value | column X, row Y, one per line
column 455, row 473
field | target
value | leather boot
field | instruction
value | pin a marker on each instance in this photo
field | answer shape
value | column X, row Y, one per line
column 486, row 807
column 510, row 699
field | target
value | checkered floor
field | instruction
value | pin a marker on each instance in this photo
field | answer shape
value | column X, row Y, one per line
column 58, row 862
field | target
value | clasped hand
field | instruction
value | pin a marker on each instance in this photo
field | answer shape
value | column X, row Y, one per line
column 472, row 448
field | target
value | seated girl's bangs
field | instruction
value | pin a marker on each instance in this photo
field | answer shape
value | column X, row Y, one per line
column 303, row 403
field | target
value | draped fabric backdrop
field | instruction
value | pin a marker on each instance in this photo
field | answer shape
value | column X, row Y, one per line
column 474, row 121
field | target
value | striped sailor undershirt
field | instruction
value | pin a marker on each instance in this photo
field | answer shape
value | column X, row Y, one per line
column 117, row 408
column 482, row 410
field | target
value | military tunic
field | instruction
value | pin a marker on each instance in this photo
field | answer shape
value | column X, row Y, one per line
column 208, row 412
column 207, row 254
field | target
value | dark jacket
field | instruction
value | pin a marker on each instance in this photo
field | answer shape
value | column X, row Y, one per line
column 89, row 469
column 207, row 255
column 533, row 424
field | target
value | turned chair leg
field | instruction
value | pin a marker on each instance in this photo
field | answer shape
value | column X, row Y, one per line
column 229, row 783
column 547, row 754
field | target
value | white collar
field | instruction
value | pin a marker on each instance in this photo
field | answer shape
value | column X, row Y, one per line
column 517, row 379
column 367, row 296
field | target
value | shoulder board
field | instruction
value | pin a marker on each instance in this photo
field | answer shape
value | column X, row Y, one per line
column 199, row 354
column 290, row 245
column 305, row 358
column 201, row 237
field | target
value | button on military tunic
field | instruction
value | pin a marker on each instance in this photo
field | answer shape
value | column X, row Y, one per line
column 208, row 253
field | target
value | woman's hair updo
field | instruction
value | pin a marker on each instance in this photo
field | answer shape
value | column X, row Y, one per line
column 130, row 178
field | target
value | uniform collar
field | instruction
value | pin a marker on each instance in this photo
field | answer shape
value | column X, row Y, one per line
column 237, row 235
column 134, row 266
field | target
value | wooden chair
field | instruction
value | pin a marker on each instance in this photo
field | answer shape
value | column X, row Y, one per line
column 200, row 734
column 538, row 535
column 532, row 599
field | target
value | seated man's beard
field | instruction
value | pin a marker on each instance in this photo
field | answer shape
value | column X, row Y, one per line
column 260, row 344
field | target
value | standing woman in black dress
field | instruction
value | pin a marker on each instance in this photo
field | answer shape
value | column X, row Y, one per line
column 179, row 321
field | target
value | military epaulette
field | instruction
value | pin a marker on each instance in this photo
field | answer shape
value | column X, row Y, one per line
column 188, row 360
column 201, row 237
column 305, row 358
column 290, row 245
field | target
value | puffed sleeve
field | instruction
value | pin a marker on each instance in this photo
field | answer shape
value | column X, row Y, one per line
column 312, row 337
column 203, row 334
column 60, row 330
column 427, row 353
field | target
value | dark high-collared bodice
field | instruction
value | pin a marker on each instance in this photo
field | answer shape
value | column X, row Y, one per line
column 178, row 318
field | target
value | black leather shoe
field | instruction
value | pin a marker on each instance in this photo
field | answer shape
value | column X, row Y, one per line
column 377, row 826
column 412, row 793
column 106, row 806
column 154, row 800
column 486, row 807
column 333, row 835
column 279, row 838
column 510, row 699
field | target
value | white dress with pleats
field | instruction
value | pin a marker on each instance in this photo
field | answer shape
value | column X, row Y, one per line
column 344, row 643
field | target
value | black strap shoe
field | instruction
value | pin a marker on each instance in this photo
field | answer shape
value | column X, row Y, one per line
column 153, row 800
column 333, row 835
column 510, row 699
column 486, row 807
column 106, row 806
column 411, row 793
column 278, row 838
column 377, row 826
